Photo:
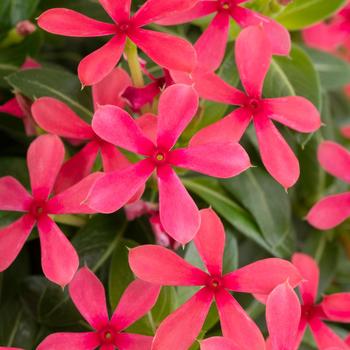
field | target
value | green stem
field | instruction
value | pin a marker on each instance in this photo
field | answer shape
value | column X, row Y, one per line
column 320, row 248
column 134, row 64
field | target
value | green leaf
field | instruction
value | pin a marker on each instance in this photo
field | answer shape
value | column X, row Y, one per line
column 302, row 13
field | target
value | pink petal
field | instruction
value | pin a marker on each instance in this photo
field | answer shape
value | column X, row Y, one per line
column 293, row 111
column 210, row 241
column 116, row 126
column 236, row 324
column 137, row 300
column 13, row 196
column 71, row 23
column 335, row 159
column 77, row 167
column 96, row 66
column 177, row 106
column 277, row 156
column 126, row 341
column 110, row 89
column 218, row 343
column 301, row 331
column 228, row 129
column 70, row 341
column 88, row 295
column 159, row 265
column 153, row 10
column 330, row 211
column 253, row 58
column 118, row 10
column 168, row 51
column 44, row 159
column 148, row 123
column 345, row 130
column 262, row 276
column 283, row 313
column 278, row 35
column 337, row 307
column 29, row 63
column 112, row 158
column 12, row 239
column 59, row 260
column 223, row 160
column 57, row 118
column 179, row 214
column 211, row 45
column 310, row 272
column 126, row 183
column 12, row 107
column 180, row 329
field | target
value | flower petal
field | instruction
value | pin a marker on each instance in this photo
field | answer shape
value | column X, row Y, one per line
column 177, row 106
column 236, row 324
column 218, row 343
column 57, row 118
column 116, row 126
column 253, row 58
column 345, row 131
column 127, row 341
column 190, row 316
column 178, row 212
column 310, row 272
column 13, row 196
column 335, row 159
column 283, row 313
column 67, row 22
column 70, row 341
column 118, row 10
column 137, row 300
column 44, row 158
column 337, row 307
column 88, row 295
column 159, row 265
column 59, row 260
column 112, row 158
column 262, row 277
column 330, row 211
column 168, row 51
column 293, row 111
column 12, row 107
column 12, row 239
column 96, row 66
column 276, row 154
column 125, row 183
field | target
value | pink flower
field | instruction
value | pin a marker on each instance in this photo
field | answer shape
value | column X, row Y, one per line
column 58, row 257
column 88, row 295
column 332, row 210
column 164, row 49
column 253, row 57
column 162, row 266
column 178, row 212
column 57, row 118
column 334, row 307
column 345, row 131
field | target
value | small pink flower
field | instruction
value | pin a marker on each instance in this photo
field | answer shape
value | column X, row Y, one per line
column 253, row 58
column 332, row 210
column 166, row 50
column 156, row 264
column 88, row 295
column 178, row 212
column 58, row 257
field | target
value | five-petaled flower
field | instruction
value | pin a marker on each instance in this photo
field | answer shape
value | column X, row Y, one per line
column 162, row 266
column 179, row 214
column 168, row 51
column 58, row 257
column 332, row 210
column 88, row 295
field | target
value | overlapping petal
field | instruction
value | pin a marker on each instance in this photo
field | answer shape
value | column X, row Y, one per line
column 118, row 10
column 13, row 196
column 337, row 307
column 218, row 343
column 127, row 341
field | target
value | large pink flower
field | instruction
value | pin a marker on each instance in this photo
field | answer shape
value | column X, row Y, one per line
column 178, row 212
column 58, row 258
column 162, row 266
column 88, row 295
column 166, row 50
column 253, row 57
column 334, row 307
column 332, row 210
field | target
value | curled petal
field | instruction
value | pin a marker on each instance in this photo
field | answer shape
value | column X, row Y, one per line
column 118, row 10
column 337, row 307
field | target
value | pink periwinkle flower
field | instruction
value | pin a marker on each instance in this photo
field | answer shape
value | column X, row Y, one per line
column 159, row 265
column 178, row 212
column 88, row 295
column 332, row 210
column 58, row 257
column 166, row 50
column 253, row 58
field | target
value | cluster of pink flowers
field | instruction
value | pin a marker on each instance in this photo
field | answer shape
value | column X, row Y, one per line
column 60, row 186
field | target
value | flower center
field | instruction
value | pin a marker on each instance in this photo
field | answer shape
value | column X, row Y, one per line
column 254, row 104
column 159, row 157
column 214, row 283
column 225, row 4
column 37, row 209
column 107, row 336
column 123, row 27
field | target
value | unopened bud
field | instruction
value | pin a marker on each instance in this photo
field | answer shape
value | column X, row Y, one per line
column 25, row 28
